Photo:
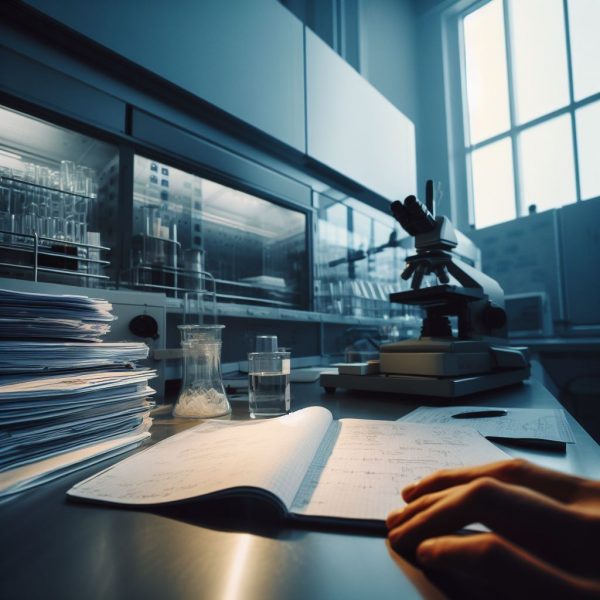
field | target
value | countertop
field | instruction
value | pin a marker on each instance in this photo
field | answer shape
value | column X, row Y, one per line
column 58, row 548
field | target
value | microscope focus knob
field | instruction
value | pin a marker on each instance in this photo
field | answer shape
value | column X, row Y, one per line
column 494, row 317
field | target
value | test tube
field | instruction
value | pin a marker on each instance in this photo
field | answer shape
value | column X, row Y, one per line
column 67, row 173
column 30, row 216
column 93, row 191
column 42, row 176
column 81, row 181
column 30, row 173
column 81, row 217
column 58, row 216
column 44, row 217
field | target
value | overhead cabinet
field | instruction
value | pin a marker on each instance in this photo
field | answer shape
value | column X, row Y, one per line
column 245, row 58
column 258, row 63
column 32, row 81
column 353, row 129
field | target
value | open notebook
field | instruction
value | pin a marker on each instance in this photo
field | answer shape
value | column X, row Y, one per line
column 309, row 465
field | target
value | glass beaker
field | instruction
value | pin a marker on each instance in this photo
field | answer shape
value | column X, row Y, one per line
column 269, row 383
column 202, row 393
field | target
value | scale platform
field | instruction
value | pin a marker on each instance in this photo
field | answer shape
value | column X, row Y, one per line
column 413, row 385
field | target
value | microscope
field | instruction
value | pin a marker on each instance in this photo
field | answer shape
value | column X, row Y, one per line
column 462, row 348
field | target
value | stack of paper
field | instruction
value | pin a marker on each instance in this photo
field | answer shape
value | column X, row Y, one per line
column 64, row 403
column 41, row 356
column 42, row 327
column 50, row 316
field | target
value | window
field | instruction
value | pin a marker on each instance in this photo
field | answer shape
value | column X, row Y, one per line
column 531, row 105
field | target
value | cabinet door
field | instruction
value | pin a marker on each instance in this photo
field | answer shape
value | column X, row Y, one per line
column 353, row 129
column 244, row 57
column 580, row 240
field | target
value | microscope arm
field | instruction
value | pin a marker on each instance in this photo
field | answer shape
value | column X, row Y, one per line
column 469, row 277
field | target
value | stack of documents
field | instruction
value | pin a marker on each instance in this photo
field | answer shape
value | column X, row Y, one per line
column 42, row 356
column 65, row 403
column 50, row 316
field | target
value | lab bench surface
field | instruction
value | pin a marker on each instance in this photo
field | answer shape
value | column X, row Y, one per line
column 58, row 548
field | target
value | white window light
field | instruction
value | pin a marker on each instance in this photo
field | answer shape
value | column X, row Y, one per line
column 531, row 105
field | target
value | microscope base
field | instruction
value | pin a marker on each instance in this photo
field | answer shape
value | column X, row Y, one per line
column 411, row 385
column 435, row 364
column 449, row 358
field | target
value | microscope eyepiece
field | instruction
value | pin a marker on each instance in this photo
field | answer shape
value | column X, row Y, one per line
column 420, row 217
column 402, row 216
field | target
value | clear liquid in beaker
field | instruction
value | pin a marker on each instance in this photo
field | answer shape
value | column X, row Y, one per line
column 268, row 394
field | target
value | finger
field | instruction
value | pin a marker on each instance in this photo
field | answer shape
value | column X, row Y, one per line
column 523, row 516
column 516, row 471
column 397, row 517
column 486, row 559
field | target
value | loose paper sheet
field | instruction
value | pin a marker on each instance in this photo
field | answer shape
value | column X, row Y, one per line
column 362, row 466
column 39, row 472
column 27, row 357
column 69, row 384
column 536, row 423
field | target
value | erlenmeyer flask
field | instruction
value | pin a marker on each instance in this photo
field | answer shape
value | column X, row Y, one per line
column 202, row 392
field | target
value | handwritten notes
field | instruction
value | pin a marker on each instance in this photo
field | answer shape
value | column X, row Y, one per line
column 215, row 456
column 348, row 469
column 361, row 466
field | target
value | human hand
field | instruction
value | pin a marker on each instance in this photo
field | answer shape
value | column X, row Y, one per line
column 545, row 530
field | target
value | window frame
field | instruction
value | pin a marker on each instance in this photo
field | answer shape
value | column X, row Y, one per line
column 459, row 147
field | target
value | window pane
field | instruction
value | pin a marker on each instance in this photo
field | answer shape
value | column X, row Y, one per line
column 584, row 17
column 485, row 66
column 539, row 57
column 588, row 145
column 493, row 186
column 547, row 168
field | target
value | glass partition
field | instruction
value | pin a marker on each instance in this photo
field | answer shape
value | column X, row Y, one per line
column 56, row 187
column 186, row 226
column 359, row 256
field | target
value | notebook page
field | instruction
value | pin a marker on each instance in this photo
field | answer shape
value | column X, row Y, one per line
column 216, row 455
column 361, row 466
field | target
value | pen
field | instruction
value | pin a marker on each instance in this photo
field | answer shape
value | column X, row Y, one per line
column 531, row 443
column 478, row 414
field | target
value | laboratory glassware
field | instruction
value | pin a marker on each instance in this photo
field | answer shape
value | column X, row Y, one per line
column 202, row 393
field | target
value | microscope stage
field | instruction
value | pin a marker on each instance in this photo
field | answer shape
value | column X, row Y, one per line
column 437, row 295
column 412, row 385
